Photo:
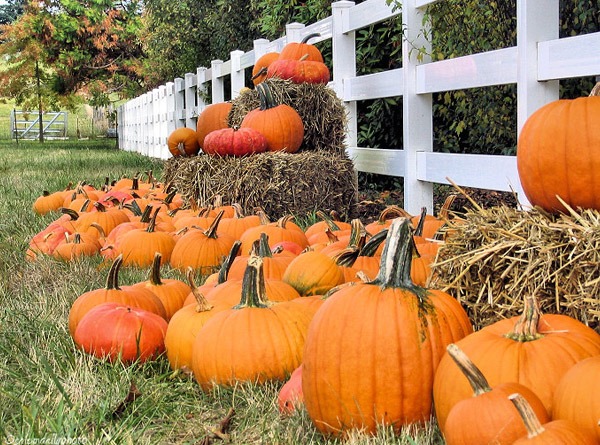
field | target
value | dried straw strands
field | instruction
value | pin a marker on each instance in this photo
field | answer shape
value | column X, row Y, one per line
column 493, row 258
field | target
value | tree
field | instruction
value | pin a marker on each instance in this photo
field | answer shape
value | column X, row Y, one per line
column 11, row 10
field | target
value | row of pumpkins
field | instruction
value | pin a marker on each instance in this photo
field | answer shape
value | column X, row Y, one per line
column 366, row 345
column 271, row 127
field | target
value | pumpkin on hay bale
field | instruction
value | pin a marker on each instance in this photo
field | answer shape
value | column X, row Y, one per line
column 493, row 258
column 280, row 183
column 322, row 112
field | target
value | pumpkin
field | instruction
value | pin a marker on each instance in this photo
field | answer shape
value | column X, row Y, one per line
column 185, row 324
column 106, row 217
column 213, row 117
column 203, row 250
column 284, row 229
column 126, row 295
column 255, row 341
column 281, row 125
column 488, row 416
column 183, row 141
column 557, row 155
column 290, row 395
column 532, row 349
column 49, row 202
column 299, row 71
column 234, row 142
column 313, row 273
column 274, row 264
column 127, row 334
column 75, row 246
column 577, row 396
column 297, row 50
column 556, row 432
column 171, row 291
column 259, row 71
column 372, row 348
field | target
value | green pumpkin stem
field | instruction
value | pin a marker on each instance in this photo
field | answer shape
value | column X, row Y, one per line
column 531, row 421
column 526, row 327
column 396, row 259
column 473, row 374
column 152, row 224
column 264, row 250
column 346, row 257
column 226, row 266
column 253, row 285
column 145, row 215
column 421, row 224
column 371, row 246
column 265, row 96
column 310, row 36
column 328, row 220
column 155, row 270
column 112, row 281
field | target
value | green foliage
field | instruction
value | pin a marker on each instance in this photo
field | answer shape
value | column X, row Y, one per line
column 10, row 10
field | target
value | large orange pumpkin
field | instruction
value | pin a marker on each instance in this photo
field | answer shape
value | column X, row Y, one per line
column 297, row 50
column 557, row 154
column 372, row 348
column 279, row 123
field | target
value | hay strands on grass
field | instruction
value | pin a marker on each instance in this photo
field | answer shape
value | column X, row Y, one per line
column 493, row 258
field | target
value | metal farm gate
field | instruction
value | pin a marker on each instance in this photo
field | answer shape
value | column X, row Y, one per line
column 25, row 124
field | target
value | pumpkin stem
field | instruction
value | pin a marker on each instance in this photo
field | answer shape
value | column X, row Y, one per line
column 264, row 250
column 224, row 270
column 346, row 257
column 531, row 421
column 265, row 96
column 421, row 224
column 526, row 326
column 371, row 246
column 260, row 72
column 253, row 285
column 328, row 220
column 202, row 304
column 152, row 224
column 473, row 374
column 310, row 36
column 211, row 232
column 396, row 259
column 73, row 214
column 112, row 281
column 155, row 270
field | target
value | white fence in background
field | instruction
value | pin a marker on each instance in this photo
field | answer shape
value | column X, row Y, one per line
column 535, row 65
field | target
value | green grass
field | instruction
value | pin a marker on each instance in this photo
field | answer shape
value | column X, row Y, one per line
column 52, row 393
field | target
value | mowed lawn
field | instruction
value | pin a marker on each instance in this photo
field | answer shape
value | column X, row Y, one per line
column 50, row 392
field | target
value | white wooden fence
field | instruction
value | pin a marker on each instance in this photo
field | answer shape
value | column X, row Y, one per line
column 535, row 65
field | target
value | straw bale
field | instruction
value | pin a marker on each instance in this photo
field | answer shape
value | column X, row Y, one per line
column 492, row 258
column 322, row 112
column 279, row 183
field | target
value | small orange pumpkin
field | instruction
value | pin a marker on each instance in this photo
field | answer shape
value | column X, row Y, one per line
column 259, row 71
column 183, row 142
column 213, row 117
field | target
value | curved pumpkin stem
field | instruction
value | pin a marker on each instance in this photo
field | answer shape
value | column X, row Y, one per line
column 371, row 246
column 202, row 304
column 265, row 96
column 112, row 281
column 211, row 232
column 526, row 328
column 224, row 270
column 421, row 224
column 328, row 220
column 152, row 223
column 155, row 270
column 253, row 285
column 531, row 421
column 310, row 36
column 264, row 250
column 475, row 377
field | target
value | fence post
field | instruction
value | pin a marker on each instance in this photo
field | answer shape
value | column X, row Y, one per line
column 344, row 62
column 238, row 80
column 261, row 47
column 179, row 111
column 201, row 88
column 190, row 100
column 293, row 32
column 417, row 125
column 218, row 84
column 537, row 20
column 171, row 120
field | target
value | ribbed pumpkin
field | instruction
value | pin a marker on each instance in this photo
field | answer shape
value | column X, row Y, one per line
column 577, row 396
column 202, row 250
column 313, row 273
column 297, row 50
column 556, row 432
column 112, row 293
column 488, row 416
column 299, row 71
column 121, row 333
column 284, row 229
column 557, row 154
column 372, row 348
column 274, row 264
column 532, row 349
column 171, row 291
column 255, row 341
column 279, row 123
column 183, row 141
column 75, row 246
column 185, row 324
column 213, row 117
column 259, row 70
column 234, row 142
column 49, row 202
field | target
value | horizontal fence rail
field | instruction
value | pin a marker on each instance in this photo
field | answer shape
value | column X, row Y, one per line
column 536, row 64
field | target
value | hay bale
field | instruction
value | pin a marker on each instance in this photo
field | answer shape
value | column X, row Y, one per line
column 493, row 258
column 322, row 112
column 279, row 183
